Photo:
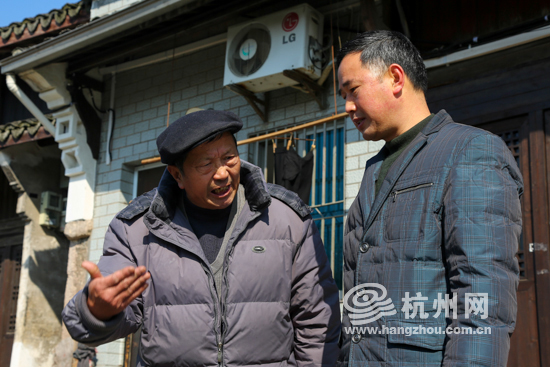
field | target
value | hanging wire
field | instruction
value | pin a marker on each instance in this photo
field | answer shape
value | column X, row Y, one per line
column 171, row 81
column 110, row 138
column 333, row 67
column 93, row 100
column 338, row 27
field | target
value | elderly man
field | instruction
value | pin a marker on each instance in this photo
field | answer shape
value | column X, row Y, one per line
column 431, row 238
column 216, row 266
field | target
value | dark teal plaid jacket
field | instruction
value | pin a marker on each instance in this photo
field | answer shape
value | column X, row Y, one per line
column 447, row 220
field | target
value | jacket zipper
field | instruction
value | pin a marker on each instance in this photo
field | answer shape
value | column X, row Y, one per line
column 224, row 294
column 220, row 353
column 215, row 297
column 397, row 192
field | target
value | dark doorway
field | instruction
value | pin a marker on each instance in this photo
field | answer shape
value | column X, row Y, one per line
column 10, row 268
column 524, row 344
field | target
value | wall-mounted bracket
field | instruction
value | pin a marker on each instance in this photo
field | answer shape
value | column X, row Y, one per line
column 307, row 84
column 251, row 99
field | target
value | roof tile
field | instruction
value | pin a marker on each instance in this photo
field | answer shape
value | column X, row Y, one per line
column 16, row 129
column 45, row 20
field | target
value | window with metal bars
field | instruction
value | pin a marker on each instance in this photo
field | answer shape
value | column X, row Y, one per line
column 327, row 191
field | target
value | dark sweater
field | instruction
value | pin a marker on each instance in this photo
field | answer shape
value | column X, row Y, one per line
column 209, row 226
column 396, row 146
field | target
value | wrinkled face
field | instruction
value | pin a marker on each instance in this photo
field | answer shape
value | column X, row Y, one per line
column 211, row 173
column 367, row 98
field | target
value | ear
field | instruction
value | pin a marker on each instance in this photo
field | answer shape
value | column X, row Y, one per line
column 397, row 75
column 175, row 172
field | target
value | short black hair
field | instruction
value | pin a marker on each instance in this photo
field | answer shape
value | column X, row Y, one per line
column 379, row 49
column 181, row 160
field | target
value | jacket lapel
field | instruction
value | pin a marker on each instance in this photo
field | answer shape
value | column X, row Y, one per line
column 437, row 122
column 368, row 187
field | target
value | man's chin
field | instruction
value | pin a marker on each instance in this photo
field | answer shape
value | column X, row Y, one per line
column 222, row 203
column 369, row 137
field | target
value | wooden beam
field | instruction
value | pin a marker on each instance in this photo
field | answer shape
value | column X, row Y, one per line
column 291, row 129
column 273, row 134
column 307, row 83
column 251, row 99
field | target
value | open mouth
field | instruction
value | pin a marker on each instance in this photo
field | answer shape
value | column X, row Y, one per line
column 357, row 121
column 221, row 191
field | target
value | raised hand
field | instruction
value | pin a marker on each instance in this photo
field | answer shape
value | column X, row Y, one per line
column 110, row 295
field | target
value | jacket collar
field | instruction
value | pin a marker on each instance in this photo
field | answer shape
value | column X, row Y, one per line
column 439, row 120
column 255, row 188
column 165, row 202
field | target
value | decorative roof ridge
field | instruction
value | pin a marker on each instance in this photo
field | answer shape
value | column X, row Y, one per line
column 45, row 20
column 17, row 128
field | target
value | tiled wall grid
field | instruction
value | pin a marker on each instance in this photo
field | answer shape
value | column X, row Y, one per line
column 195, row 80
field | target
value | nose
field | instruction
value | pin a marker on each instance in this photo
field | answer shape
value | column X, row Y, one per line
column 221, row 173
column 350, row 106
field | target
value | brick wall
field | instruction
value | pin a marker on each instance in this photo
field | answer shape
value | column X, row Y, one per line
column 195, row 80
column 357, row 154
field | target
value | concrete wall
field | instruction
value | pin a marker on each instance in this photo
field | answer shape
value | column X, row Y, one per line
column 195, row 80
column 44, row 259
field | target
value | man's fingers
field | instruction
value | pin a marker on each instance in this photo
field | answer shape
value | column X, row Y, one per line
column 92, row 269
column 128, row 286
column 135, row 294
column 132, row 290
column 119, row 277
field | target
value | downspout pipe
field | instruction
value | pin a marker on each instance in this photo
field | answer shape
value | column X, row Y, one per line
column 111, row 121
column 11, row 81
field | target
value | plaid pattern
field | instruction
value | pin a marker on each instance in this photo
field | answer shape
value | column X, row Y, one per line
column 447, row 220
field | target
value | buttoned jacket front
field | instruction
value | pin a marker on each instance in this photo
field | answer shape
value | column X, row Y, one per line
column 447, row 219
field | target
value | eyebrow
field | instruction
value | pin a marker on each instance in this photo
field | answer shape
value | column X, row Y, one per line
column 205, row 158
column 345, row 84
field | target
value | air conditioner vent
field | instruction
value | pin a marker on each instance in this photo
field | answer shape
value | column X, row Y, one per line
column 249, row 50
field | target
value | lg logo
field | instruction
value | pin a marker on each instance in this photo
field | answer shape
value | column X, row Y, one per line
column 290, row 21
column 291, row 38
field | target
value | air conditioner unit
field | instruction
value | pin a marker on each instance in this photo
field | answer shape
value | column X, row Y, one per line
column 259, row 50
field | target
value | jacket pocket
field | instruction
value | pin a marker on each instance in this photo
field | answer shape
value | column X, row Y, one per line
column 427, row 334
column 405, row 214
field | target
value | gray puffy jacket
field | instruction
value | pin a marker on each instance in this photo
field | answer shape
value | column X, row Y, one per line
column 278, row 307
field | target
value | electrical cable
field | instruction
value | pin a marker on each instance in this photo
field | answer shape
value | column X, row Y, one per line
column 93, row 100
column 101, row 111
column 333, row 67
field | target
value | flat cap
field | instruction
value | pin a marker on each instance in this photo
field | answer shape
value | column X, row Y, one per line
column 192, row 130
